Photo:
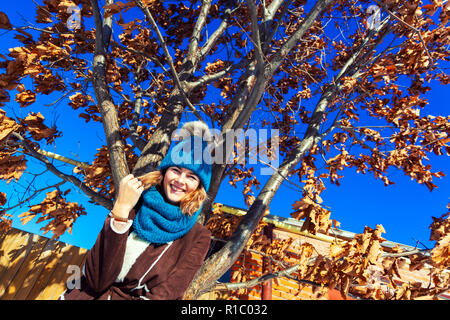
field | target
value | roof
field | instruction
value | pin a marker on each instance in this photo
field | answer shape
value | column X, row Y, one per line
column 295, row 226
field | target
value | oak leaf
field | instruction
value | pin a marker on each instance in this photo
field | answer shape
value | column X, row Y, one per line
column 2, row 198
column 34, row 123
column 4, row 96
column 59, row 214
column 11, row 167
column 4, row 21
column 5, row 222
column 348, row 83
column 7, row 125
column 26, row 97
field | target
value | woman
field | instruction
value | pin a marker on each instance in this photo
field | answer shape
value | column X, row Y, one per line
column 151, row 246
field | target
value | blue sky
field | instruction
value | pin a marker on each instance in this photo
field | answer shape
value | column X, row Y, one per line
column 404, row 209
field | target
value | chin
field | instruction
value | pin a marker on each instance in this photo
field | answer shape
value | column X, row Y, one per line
column 174, row 198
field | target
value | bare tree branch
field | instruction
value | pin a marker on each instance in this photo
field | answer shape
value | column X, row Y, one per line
column 264, row 278
column 255, row 33
column 35, row 193
column 175, row 77
column 139, row 143
column 59, row 157
column 209, row 44
column 192, row 55
column 273, row 7
column 95, row 197
column 107, row 26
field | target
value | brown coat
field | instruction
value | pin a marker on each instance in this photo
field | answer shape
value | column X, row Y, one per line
column 167, row 280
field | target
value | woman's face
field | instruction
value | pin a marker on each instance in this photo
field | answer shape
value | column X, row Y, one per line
column 178, row 182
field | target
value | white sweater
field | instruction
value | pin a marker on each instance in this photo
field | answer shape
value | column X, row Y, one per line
column 135, row 247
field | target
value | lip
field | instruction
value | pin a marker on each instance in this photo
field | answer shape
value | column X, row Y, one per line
column 176, row 189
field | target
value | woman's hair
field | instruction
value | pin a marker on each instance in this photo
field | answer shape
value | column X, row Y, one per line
column 189, row 204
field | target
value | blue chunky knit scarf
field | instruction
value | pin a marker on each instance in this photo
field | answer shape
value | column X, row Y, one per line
column 158, row 221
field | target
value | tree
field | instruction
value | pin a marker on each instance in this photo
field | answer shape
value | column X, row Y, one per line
column 310, row 70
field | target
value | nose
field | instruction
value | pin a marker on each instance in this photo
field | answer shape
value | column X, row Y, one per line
column 181, row 178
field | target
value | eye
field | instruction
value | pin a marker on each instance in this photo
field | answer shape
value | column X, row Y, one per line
column 175, row 169
column 193, row 178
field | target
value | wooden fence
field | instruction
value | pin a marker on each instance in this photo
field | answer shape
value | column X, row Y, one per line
column 33, row 267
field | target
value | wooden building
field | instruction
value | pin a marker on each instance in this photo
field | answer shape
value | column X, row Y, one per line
column 285, row 288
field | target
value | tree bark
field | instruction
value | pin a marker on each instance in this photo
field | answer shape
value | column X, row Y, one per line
column 117, row 158
column 160, row 141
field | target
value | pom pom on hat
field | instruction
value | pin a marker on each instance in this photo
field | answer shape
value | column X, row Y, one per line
column 194, row 128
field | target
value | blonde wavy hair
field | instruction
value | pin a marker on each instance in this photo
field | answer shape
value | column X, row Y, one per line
column 189, row 204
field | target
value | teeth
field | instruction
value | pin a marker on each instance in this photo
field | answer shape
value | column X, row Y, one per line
column 176, row 189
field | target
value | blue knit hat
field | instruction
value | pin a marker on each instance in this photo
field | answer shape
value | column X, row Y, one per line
column 191, row 153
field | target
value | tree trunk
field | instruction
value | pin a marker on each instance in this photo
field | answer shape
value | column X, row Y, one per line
column 160, row 141
column 117, row 158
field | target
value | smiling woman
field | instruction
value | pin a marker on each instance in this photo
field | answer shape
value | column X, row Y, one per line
column 151, row 246
column 178, row 182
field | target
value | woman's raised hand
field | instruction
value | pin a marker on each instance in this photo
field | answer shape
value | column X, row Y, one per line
column 130, row 189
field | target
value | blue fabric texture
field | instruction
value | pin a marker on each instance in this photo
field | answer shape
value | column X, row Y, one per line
column 158, row 221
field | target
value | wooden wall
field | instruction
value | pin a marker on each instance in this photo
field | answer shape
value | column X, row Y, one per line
column 33, row 267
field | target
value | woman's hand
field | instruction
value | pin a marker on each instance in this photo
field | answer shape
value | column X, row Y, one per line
column 130, row 190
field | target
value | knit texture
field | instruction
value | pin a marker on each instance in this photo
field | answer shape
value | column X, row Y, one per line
column 158, row 221
column 192, row 154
